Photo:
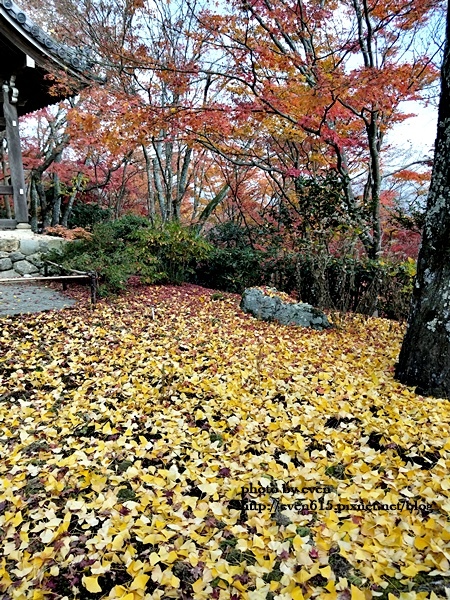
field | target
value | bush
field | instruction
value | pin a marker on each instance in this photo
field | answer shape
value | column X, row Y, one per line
column 363, row 286
column 110, row 263
column 231, row 269
column 229, row 235
column 88, row 215
column 176, row 249
column 119, row 249
column 327, row 282
column 125, row 228
column 172, row 253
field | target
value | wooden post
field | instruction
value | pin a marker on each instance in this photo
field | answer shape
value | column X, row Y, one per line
column 94, row 284
column 15, row 153
column 5, row 190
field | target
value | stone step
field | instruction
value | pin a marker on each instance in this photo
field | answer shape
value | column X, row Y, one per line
column 8, row 223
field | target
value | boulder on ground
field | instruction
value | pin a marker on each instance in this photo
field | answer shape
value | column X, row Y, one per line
column 268, row 304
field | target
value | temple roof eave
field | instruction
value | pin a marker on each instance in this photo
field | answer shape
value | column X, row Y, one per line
column 31, row 54
column 65, row 57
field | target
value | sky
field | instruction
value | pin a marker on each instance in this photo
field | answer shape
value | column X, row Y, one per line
column 419, row 132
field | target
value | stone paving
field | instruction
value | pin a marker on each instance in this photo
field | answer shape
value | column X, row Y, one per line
column 18, row 298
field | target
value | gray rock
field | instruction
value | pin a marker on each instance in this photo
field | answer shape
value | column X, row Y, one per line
column 4, row 254
column 54, row 244
column 29, row 246
column 9, row 275
column 23, row 267
column 15, row 256
column 272, row 308
column 9, row 245
column 36, row 259
column 5, row 264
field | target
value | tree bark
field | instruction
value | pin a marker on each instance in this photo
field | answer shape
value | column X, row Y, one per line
column 55, row 149
column 150, row 194
column 425, row 355
column 56, row 209
column 211, row 206
column 182, row 179
column 159, row 190
column 374, row 138
column 34, row 205
column 73, row 194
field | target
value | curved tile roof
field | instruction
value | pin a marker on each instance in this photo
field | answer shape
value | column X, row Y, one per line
column 21, row 37
column 75, row 58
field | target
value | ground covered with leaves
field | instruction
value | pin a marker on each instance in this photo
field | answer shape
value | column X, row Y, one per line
column 165, row 445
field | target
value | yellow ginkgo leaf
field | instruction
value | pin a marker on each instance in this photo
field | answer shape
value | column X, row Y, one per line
column 297, row 594
column 357, row 594
column 411, row 570
column 116, row 423
column 91, row 584
column 421, row 543
column 209, row 488
column 139, row 582
column 198, row 586
column 326, row 571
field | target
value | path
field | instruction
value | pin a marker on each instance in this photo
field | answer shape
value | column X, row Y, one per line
column 20, row 298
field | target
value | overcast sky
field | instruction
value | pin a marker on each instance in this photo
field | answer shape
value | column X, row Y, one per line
column 418, row 133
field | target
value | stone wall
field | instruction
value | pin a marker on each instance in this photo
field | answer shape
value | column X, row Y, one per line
column 22, row 256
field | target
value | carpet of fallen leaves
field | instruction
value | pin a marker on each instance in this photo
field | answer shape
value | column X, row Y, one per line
column 129, row 432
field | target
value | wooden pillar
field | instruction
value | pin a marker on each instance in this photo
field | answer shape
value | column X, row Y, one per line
column 3, row 176
column 15, row 153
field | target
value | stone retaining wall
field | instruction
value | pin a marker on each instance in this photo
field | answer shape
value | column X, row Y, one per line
column 22, row 256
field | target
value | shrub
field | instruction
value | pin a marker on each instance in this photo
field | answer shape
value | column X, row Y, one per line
column 363, row 286
column 88, row 215
column 125, row 228
column 231, row 269
column 119, row 249
column 111, row 263
column 229, row 235
column 177, row 249
column 327, row 282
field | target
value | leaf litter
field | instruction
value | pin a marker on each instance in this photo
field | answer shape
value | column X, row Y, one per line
column 166, row 445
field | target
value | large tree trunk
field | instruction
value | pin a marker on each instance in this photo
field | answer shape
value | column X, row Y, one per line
column 34, row 205
column 56, row 209
column 73, row 194
column 425, row 355
column 150, row 193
